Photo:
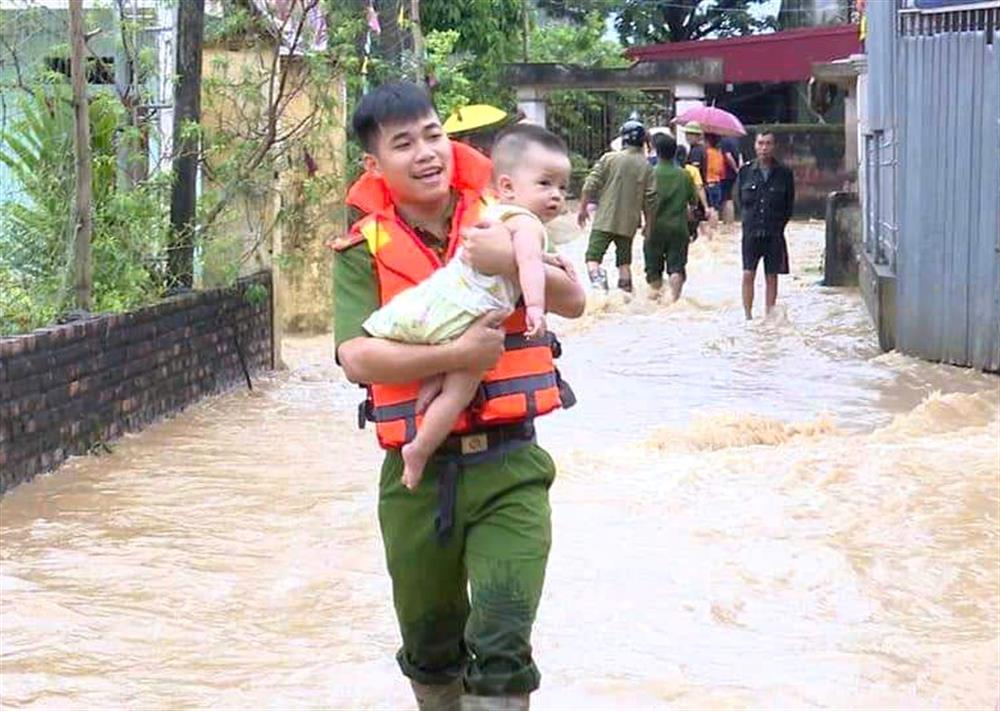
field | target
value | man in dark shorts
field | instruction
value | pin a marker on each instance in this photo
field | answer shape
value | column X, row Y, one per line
column 767, row 195
column 666, row 240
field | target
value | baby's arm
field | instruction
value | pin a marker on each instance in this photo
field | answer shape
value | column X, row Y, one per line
column 527, row 235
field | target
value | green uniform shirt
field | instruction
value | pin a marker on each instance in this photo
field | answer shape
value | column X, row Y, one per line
column 622, row 184
column 674, row 192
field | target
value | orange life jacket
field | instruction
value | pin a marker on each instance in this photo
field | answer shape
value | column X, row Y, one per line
column 524, row 383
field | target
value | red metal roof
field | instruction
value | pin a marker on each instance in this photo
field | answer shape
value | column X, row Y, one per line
column 779, row 56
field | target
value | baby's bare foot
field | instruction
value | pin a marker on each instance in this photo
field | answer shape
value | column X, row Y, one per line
column 414, row 461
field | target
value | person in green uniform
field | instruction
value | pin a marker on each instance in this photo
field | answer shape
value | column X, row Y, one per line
column 665, row 246
column 459, row 653
column 621, row 183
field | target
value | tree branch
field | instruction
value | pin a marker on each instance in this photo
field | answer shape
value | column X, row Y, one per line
column 18, row 76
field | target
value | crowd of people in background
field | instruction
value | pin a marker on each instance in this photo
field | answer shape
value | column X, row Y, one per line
column 676, row 193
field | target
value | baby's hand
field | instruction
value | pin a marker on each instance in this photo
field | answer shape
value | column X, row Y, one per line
column 556, row 260
column 535, row 321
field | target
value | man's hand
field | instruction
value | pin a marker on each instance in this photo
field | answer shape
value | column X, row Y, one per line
column 535, row 322
column 582, row 216
column 486, row 247
column 481, row 346
column 561, row 262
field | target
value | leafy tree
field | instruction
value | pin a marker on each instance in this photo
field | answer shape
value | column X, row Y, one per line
column 490, row 34
column 265, row 115
column 578, row 41
column 652, row 21
column 577, row 11
column 453, row 88
column 129, row 227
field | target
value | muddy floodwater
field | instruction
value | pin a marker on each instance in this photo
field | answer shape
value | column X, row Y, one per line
column 769, row 514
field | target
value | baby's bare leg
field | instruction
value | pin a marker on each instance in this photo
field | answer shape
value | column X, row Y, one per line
column 429, row 389
column 457, row 392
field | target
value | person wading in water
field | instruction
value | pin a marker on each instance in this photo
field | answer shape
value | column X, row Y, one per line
column 480, row 516
column 622, row 185
column 767, row 196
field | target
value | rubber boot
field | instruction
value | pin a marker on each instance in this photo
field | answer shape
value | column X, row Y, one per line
column 438, row 697
column 495, row 703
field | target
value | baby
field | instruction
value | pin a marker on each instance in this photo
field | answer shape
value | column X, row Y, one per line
column 531, row 171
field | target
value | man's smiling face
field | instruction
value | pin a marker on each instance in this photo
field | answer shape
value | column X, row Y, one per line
column 415, row 160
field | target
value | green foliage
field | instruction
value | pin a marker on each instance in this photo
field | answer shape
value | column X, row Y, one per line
column 490, row 34
column 268, row 135
column 454, row 88
column 36, row 241
column 579, row 39
column 643, row 22
column 255, row 294
column 578, row 42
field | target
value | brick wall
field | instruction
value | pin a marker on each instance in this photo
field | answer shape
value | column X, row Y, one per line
column 65, row 389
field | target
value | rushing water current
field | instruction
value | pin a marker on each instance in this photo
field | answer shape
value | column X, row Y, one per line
column 766, row 514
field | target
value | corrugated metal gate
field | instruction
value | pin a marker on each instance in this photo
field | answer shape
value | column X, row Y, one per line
column 932, row 177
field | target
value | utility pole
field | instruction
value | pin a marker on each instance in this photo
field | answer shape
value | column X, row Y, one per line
column 418, row 41
column 526, row 30
column 187, row 110
column 82, row 218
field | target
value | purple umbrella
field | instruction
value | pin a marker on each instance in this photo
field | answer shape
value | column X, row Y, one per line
column 712, row 120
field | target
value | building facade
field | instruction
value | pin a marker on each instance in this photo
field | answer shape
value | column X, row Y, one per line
column 930, row 179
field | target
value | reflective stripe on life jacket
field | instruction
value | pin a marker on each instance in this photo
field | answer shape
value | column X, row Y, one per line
column 524, row 383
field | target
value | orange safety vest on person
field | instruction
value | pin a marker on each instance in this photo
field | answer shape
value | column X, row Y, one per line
column 524, row 383
column 715, row 165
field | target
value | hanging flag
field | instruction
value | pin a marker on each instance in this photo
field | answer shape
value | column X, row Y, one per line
column 373, row 23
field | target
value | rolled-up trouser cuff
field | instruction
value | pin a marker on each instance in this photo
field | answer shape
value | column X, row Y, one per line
column 524, row 681
column 435, row 677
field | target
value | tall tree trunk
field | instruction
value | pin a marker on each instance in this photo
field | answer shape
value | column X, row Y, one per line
column 82, row 218
column 418, row 41
column 391, row 41
column 187, row 110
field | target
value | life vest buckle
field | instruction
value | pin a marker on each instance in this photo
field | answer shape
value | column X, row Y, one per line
column 364, row 412
column 566, row 394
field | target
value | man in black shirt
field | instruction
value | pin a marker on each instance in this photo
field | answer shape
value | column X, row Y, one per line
column 766, row 195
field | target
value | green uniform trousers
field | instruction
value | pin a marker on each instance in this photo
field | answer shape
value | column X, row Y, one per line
column 498, row 547
column 598, row 245
column 665, row 250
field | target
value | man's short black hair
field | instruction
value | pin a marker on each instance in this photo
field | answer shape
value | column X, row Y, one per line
column 682, row 154
column 511, row 143
column 394, row 102
column 666, row 146
column 766, row 132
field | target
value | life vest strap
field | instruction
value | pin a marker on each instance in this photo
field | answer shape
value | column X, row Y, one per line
column 399, row 411
column 526, row 384
column 406, row 411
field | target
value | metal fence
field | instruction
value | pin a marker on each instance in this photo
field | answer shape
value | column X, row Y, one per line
column 932, row 178
column 589, row 121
